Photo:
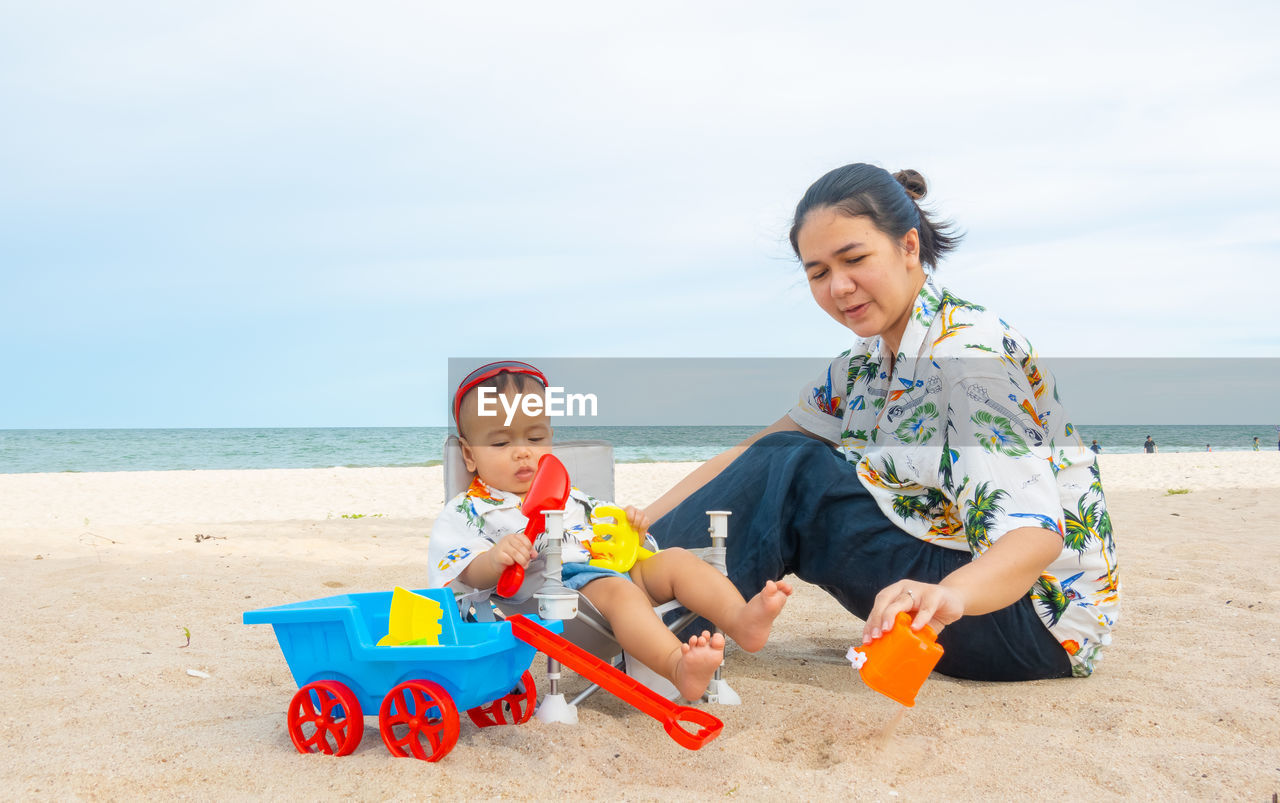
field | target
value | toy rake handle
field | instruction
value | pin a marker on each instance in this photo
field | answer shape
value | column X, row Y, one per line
column 673, row 717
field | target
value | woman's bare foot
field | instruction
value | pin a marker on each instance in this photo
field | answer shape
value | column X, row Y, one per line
column 751, row 631
column 697, row 663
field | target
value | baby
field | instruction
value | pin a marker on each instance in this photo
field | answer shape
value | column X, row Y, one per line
column 480, row 533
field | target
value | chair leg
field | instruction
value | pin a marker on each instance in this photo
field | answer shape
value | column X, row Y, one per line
column 719, row 691
column 553, row 707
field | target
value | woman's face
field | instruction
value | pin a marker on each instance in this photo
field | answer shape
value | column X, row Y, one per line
column 860, row 276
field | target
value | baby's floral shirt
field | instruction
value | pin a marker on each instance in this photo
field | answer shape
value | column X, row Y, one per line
column 476, row 519
column 960, row 438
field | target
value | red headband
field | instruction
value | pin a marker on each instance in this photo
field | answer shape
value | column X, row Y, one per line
column 489, row 371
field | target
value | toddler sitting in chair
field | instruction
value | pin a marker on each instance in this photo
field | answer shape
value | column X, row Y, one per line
column 480, row 533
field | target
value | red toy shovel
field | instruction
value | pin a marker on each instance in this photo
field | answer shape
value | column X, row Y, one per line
column 548, row 491
column 688, row 727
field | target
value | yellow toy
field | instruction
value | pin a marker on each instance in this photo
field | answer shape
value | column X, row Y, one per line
column 616, row 544
column 415, row 619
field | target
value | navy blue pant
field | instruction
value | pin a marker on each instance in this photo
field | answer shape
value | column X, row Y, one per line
column 799, row 508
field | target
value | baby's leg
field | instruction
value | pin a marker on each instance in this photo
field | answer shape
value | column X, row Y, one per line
column 642, row 634
column 678, row 574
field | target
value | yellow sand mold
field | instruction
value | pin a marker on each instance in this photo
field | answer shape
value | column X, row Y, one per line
column 415, row 619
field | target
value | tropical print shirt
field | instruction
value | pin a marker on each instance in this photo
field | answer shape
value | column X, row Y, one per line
column 476, row 519
column 960, row 437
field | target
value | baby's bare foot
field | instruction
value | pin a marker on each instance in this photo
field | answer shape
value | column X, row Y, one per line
column 751, row 631
column 697, row 664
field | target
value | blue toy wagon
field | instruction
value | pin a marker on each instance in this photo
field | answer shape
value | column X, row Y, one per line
column 331, row 647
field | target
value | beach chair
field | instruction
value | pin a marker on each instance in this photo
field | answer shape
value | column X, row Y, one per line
column 590, row 467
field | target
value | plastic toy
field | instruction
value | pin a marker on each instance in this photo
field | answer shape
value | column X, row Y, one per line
column 481, row 668
column 548, row 491
column 417, row 691
column 415, row 619
column 673, row 717
column 898, row 663
column 615, row 545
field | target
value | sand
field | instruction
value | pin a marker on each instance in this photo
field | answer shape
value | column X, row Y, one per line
column 102, row 574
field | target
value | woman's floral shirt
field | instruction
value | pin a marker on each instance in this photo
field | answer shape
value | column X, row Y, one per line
column 961, row 437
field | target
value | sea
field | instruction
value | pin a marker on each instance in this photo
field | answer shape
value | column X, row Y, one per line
column 25, row 451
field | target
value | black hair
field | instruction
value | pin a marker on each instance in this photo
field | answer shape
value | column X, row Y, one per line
column 890, row 201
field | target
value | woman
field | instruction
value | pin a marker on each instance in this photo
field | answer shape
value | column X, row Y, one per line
column 959, row 491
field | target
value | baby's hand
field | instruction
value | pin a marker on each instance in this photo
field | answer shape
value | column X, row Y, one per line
column 639, row 521
column 511, row 550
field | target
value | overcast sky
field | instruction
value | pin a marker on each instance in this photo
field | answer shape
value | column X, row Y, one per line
column 294, row 214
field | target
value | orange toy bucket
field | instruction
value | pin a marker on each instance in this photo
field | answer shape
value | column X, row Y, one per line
column 898, row 663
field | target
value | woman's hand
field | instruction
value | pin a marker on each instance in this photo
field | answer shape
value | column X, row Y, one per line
column 933, row 605
column 995, row 579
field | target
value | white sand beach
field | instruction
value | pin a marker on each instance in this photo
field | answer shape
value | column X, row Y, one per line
column 103, row 573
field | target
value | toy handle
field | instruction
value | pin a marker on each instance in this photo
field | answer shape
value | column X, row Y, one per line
column 706, row 727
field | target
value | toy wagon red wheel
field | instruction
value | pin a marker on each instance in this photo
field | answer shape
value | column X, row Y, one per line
column 513, row 709
column 418, row 719
column 522, row 702
column 325, row 717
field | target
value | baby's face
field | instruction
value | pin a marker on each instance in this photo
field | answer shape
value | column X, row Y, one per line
column 503, row 455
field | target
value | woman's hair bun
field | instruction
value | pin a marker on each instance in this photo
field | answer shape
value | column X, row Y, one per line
column 889, row 200
column 913, row 183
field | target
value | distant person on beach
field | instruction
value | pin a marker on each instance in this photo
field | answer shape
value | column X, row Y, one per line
column 1256, row 446
column 480, row 533
column 960, row 493
column 1149, row 445
column 1094, row 447
column 1208, row 448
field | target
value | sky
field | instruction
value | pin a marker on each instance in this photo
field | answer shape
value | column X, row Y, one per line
column 296, row 214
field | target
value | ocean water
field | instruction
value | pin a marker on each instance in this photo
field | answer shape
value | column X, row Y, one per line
column 1222, row 437
column 54, row 450
column 58, row 450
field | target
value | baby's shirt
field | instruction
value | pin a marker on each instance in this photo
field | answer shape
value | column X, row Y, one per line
column 476, row 519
